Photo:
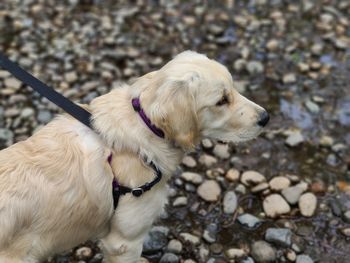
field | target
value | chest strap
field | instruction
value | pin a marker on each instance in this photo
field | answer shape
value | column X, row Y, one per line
column 119, row 190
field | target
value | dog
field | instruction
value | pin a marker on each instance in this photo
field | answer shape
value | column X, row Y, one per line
column 56, row 186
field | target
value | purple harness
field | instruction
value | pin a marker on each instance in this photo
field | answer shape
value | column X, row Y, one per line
column 118, row 189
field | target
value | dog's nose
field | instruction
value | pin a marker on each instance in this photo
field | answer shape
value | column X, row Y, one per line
column 263, row 119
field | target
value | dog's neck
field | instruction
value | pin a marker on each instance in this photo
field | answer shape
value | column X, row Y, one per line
column 122, row 129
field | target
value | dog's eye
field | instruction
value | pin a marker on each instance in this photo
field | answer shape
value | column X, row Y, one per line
column 223, row 101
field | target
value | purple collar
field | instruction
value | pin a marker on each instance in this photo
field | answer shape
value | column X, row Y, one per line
column 137, row 107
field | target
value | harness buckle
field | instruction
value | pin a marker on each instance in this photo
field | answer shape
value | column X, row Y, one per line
column 137, row 191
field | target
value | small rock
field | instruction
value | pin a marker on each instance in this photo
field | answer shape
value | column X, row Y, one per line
column 239, row 64
column 209, row 190
column 255, row 67
column 289, row 78
column 259, row 188
column 235, row 253
column 209, row 236
column 249, row 220
column 169, row 258
column 27, row 112
column 174, row 246
column 155, row 240
column 44, row 116
column 221, row 151
column 263, row 252
column 279, row 183
column 345, row 232
column 207, row 160
column 303, row 67
column 294, row 139
column 250, row 178
column 189, row 161
column 307, row 204
column 192, row 177
column 207, row 144
column 272, row 45
column 232, row 175
column 326, row 141
column 291, row 256
column 304, row 259
column 247, row 260
column 190, row 238
column 279, row 236
column 312, row 107
column 71, row 77
column 274, row 205
column 293, row 193
column 180, row 201
column 230, row 202
column 12, row 83
column 83, row 253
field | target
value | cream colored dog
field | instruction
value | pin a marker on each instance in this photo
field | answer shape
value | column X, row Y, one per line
column 56, row 187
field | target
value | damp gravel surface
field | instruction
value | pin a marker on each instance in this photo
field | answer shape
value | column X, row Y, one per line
column 284, row 197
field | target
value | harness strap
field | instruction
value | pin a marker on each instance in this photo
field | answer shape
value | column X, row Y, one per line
column 119, row 190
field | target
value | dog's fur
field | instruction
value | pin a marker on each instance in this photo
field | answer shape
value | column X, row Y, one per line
column 56, row 187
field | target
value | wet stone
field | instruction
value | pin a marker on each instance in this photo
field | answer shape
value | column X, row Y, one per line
column 230, row 202
column 307, row 204
column 304, row 259
column 279, row 236
column 274, row 205
column 263, row 252
column 249, row 220
column 250, row 178
column 169, row 258
column 189, row 161
column 221, row 151
column 209, row 190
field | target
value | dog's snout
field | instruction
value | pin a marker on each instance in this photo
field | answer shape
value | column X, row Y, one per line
column 263, row 119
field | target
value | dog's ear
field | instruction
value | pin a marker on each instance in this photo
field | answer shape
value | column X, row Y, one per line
column 173, row 108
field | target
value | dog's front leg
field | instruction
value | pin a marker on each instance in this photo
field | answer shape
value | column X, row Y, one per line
column 120, row 250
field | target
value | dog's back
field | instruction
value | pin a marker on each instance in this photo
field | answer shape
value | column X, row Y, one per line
column 27, row 181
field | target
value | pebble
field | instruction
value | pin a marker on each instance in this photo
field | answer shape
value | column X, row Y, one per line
column 6, row 136
column 169, row 258
column 272, row 45
column 249, row 220
column 326, row 141
column 189, row 161
column 292, row 194
column 250, row 178
column 71, row 77
column 209, row 236
column 279, row 183
column 263, row 252
column 192, row 177
column 174, row 246
column 12, row 83
column 207, row 144
column 247, row 260
column 232, row 175
column 289, row 78
column 83, row 253
column 274, row 205
column 44, row 116
column 190, row 238
column 209, row 190
column 207, row 160
column 27, row 112
column 304, row 259
column 180, row 201
column 279, row 236
column 294, row 139
column 307, row 204
column 312, row 106
column 255, row 67
column 221, row 151
column 345, row 232
column 155, row 240
column 259, row 188
column 234, row 253
column 230, row 202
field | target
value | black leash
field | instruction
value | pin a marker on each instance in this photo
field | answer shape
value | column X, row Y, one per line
column 81, row 115
column 67, row 105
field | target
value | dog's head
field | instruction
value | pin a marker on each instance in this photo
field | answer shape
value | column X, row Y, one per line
column 193, row 97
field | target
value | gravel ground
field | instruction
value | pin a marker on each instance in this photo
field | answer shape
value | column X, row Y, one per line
column 284, row 197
